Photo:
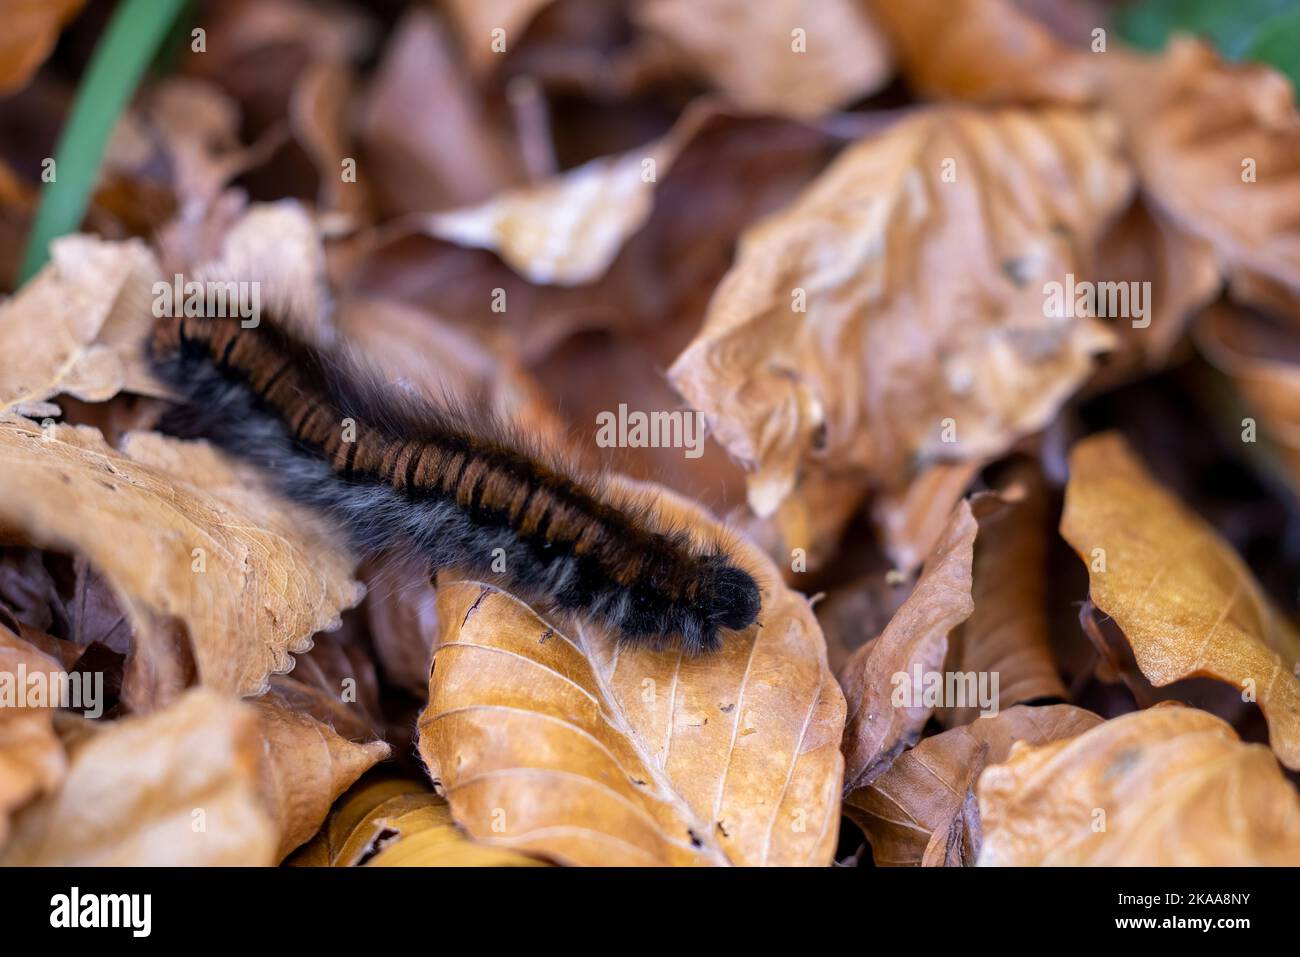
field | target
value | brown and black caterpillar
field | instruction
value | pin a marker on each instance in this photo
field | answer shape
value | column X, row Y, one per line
column 459, row 488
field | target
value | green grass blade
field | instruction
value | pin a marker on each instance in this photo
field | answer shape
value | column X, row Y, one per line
column 125, row 51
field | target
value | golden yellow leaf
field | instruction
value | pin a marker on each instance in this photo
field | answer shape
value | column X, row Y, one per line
column 178, row 531
column 798, row 58
column 393, row 822
column 1169, row 786
column 922, row 811
column 1186, row 602
column 894, row 315
column 885, row 713
column 563, row 744
column 177, row 787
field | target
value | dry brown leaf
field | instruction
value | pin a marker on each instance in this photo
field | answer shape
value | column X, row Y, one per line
column 732, row 171
column 335, row 683
column 197, row 126
column 277, row 247
column 1186, row 602
column 567, row 230
column 317, row 114
column 392, row 822
column 910, row 521
column 31, row 28
column 922, row 810
column 1263, row 363
column 857, row 611
column 478, row 20
column 421, row 159
column 150, row 516
column 1007, row 633
column 1169, row 786
column 985, row 50
column 925, row 335
column 1214, row 144
column 799, row 58
column 305, row 766
column 1144, row 246
column 31, row 759
column 571, row 747
column 877, row 729
column 76, row 327
column 177, row 787
column 809, row 526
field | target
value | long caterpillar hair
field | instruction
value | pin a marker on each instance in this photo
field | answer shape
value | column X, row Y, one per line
column 460, row 488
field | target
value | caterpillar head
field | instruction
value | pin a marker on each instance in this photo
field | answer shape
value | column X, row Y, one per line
column 727, row 598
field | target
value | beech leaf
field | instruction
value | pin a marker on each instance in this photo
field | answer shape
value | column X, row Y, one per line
column 178, row 531
column 895, row 311
column 561, row 743
column 1186, row 602
column 919, row 812
column 393, row 822
column 879, row 728
column 1169, row 786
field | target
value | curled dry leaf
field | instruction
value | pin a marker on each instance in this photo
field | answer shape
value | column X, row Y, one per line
column 895, row 311
column 317, row 114
column 477, row 23
column 336, row 684
column 392, row 822
column 138, row 789
column 76, row 327
column 571, row 747
column 1263, row 362
column 276, row 248
column 177, row 531
column 799, row 58
column 910, row 521
column 305, row 766
column 1145, row 246
column 1186, row 602
column 1173, row 786
column 421, row 159
column 922, row 811
column 31, row 29
column 31, row 758
column 567, row 230
column 198, row 125
column 1007, row 633
column 1214, row 144
column 985, row 50
column 882, row 722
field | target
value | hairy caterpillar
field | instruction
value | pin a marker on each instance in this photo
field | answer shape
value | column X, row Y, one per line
column 395, row 471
